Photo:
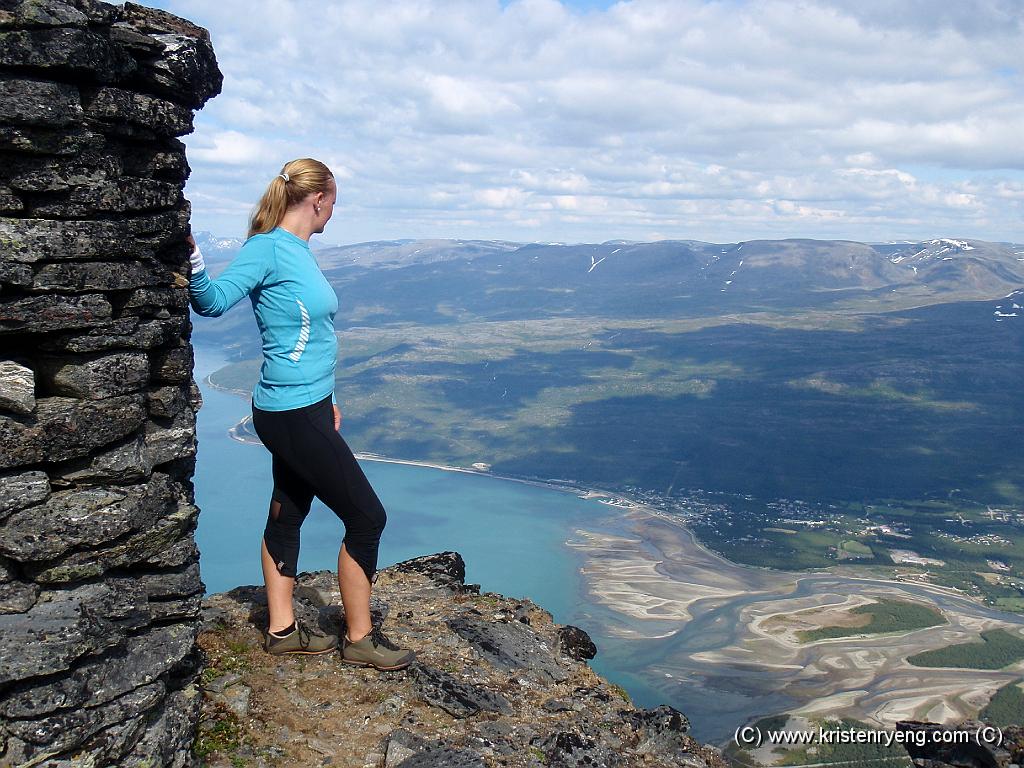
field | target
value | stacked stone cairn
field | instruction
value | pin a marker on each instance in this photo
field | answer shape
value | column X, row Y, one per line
column 99, row 572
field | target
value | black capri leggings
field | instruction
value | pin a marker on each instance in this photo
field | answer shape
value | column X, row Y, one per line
column 312, row 459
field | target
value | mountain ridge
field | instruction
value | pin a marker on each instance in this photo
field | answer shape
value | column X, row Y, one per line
column 783, row 271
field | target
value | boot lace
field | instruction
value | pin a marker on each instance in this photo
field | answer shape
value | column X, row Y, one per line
column 304, row 635
column 379, row 639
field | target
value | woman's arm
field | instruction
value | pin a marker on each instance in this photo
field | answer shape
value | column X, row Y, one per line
column 212, row 298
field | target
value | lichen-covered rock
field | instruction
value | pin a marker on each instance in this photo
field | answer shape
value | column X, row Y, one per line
column 17, row 596
column 177, row 553
column 165, row 585
column 512, row 647
column 167, row 734
column 17, row 387
column 142, row 548
column 126, row 462
column 42, row 142
column 99, row 588
column 446, row 568
column 127, row 113
column 66, row 428
column 184, row 67
column 65, row 626
column 140, row 660
column 27, row 173
column 166, row 402
column 28, row 14
column 38, row 314
column 136, row 237
column 94, row 377
column 172, row 366
column 93, row 516
column 171, row 440
column 457, row 698
column 11, row 274
column 124, row 333
column 154, row 299
column 575, row 643
column 98, row 276
column 66, row 51
column 63, row 731
column 39, row 102
column 575, row 748
column 21, row 489
column 408, row 750
column 116, row 196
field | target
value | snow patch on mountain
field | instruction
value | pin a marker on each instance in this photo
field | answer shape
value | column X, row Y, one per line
column 211, row 245
column 1001, row 313
column 942, row 249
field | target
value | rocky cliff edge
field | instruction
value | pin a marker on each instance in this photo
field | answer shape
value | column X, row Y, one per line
column 496, row 682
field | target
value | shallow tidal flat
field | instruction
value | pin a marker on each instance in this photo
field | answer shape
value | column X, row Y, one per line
column 708, row 630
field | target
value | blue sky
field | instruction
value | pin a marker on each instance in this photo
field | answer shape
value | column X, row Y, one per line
column 535, row 120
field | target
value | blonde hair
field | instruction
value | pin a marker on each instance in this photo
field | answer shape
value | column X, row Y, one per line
column 297, row 179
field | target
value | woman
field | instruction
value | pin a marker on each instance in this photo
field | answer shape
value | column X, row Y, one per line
column 294, row 411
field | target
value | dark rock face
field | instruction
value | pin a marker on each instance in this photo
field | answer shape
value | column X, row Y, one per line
column 99, row 576
column 511, row 647
column 446, row 568
column 457, row 698
column 575, row 643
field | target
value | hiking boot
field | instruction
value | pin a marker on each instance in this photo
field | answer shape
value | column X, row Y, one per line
column 299, row 640
column 375, row 650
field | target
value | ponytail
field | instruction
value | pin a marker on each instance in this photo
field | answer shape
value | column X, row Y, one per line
column 297, row 180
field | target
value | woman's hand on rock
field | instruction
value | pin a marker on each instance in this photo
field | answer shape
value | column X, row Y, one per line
column 195, row 255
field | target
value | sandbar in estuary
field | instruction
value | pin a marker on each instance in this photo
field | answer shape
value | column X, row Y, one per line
column 723, row 636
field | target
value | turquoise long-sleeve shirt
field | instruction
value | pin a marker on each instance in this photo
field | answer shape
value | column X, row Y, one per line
column 294, row 307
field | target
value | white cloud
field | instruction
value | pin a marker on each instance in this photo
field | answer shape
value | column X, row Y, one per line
column 226, row 148
column 506, row 197
column 720, row 121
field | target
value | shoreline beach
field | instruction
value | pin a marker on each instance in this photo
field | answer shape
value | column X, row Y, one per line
column 239, row 434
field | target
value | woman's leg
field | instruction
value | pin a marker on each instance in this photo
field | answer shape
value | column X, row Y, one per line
column 355, row 595
column 279, row 593
column 352, row 581
column 279, row 550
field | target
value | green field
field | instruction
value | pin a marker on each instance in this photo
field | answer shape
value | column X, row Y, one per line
column 854, row 549
column 886, row 616
column 1006, row 706
column 998, row 649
